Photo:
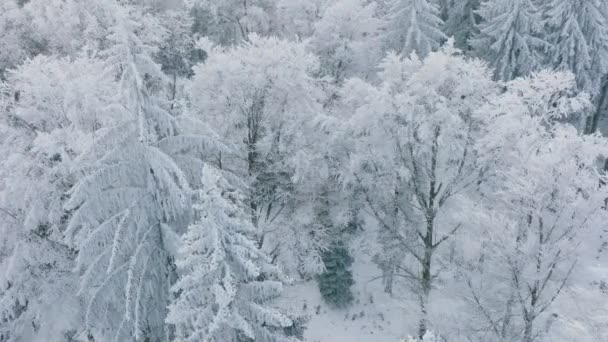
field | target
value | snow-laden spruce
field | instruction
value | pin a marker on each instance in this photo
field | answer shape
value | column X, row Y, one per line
column 461, row 22
column 578, row 32
column 134, row 197
column 413, row 26
column 510, row 38
column 225, row 282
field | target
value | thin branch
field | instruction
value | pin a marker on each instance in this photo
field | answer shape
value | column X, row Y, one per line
column 447, row 236
column 484, row 312
column 384, row 224
column 559, row 289
column 13, row 216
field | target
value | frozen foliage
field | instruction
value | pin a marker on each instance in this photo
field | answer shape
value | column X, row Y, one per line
column 225, row 282
column 413, row 26
column 344, row 38
column 509, row 37
column 231, row 21
column 162, row 160
column 49, row 115
column 461, row 22
column 579, row 34
column 262, row 98
column 546, row 186
column 578, row 31
column 414, row 157
column 337, row 279
column 131, row 202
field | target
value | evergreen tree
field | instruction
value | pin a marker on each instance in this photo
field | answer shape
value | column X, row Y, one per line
column 413, row 26
column 510, row 37
column 177, row 52
column 462, row 21
column 578, row 32
column 225, row 282
column 335, row 283
column 133, row 200
column 230, row 22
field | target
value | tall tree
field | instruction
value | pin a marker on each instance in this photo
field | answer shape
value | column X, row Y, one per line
column 53, row 107
column 344, row 39
column 510, row 37
column 225, row 282
column 262, row 98
column 415, row 160
column 578, row 31
column 461, row 22
column 177, row 52
column 546, row 178
column 230, row 22
column 413, row 26
column 133, row 199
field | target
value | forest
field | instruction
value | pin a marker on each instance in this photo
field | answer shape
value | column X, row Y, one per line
column 304, row 170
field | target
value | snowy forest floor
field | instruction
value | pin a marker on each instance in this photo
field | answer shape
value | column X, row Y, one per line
column 376, row 316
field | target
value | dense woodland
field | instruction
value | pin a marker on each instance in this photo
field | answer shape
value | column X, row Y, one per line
column 170, row 169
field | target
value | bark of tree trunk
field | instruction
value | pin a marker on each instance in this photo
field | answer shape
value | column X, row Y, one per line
column 174, row 90
column 425, row 280
column 592, row 124
column 528, row 330
column 389, row 279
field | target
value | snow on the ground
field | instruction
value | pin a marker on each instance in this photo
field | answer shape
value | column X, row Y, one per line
column 374, row 316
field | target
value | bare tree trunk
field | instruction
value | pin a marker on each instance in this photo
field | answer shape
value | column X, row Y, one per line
column 425, row 280
column 528, row 325
column 388, row 278
column 593, row 121
column 174, row 90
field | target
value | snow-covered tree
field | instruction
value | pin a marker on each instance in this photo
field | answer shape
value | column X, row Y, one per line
column 414, row 159
column 296, row 19
column 230, row 22
column 65, row 28
column 133, row 198
column 225, row 282
column 578, row 32
column 177, row 52
column 52, row 108
column 510, row 37
column 544, row 187
column 462, row 21
column 344, row 39
column 262, row 99
column 413, row 26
